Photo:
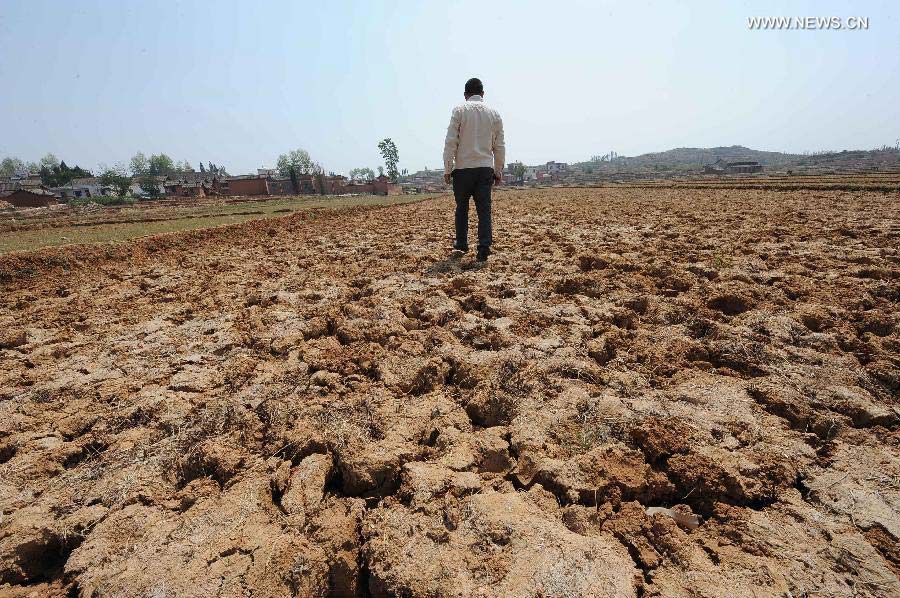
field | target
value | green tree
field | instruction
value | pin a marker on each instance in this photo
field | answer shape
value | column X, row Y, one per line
column 149, row 186
column 140, row 166
column 298, row 159
column 519, row 171
column 49, row 161
column 361, row 174
column 391, row 157
column 117, row 179
column 160, row 164
column 381, row 171
column 59, row 174
column 11, row 166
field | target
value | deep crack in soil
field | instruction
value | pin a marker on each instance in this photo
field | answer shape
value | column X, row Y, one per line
column 644, row 392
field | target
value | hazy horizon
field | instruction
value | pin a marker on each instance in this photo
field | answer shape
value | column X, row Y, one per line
column 238, row 84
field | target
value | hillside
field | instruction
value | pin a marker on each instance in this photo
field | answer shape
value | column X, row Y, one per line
column 686, row 159
column 696, row 156
column 684, row 156
column 884, row 159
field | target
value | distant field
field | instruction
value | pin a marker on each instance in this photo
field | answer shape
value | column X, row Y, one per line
column 34, row 229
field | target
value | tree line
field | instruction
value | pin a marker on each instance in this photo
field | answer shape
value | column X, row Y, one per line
column 144, row 170
column 298, row 162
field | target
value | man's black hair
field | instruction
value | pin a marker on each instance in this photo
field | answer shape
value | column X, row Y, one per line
column 474, row 87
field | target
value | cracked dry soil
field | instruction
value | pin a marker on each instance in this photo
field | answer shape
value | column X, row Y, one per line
column 325, row 404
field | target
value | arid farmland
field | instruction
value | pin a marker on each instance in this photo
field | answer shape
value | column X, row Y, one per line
column 648, row 390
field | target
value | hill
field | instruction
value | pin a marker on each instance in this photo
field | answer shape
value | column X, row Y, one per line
column 688, row 159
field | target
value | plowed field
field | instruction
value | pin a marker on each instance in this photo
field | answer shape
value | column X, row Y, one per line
column 657, row 391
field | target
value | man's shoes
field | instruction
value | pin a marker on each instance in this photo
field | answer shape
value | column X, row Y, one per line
column 457, row 247
column 483, row 253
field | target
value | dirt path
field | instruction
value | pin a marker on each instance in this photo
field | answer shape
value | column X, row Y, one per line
column 324, row 403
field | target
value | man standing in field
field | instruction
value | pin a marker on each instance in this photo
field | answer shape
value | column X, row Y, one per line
column 473, row 158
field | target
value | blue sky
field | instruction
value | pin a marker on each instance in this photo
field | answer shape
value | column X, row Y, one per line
column 240, row 82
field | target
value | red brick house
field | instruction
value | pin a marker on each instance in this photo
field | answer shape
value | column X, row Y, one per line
column 380, row 186
column 193, row 184
column 384, row 186
column 248, row 185
column 307, row 184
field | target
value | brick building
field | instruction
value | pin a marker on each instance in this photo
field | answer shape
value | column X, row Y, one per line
column 722, row 167
column 380, row 186
column 247, row 185
column 15, row 183
column 307, row 184
column 743, row 167
column 193, row 184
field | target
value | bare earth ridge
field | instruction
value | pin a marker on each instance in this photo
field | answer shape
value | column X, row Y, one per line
column 324, row 403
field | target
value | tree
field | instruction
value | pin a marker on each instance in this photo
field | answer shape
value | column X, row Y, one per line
column 298, row 159
column 11, row 166
column 202, row 168
column 361, row 174
column 140, row 165
column 59, row 174
column 391, row 157
column 49, row 161
column 216, row 170
column 519, row 171
column 160, row 164
column 149, row 187
column 295, row 184
column 117, row 179
column 381, row 171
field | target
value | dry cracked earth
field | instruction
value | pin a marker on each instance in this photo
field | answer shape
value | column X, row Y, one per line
column 644, row 393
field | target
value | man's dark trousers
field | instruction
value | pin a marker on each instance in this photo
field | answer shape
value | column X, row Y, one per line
column 473, row 182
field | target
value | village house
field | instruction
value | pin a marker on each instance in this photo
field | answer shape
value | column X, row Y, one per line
column 307, row 184
column 556, row 167
column 14, row 183
column 87, row 187
column 286, row 186
column 722, row 167
column 193, row 184
column 383, row 186
column 247, row 185
column 743, row 167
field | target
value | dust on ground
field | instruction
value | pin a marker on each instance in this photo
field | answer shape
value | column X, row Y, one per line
column 645, row 392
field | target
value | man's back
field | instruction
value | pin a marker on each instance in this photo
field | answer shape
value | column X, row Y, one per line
column 474, row 137
column 474, row 152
